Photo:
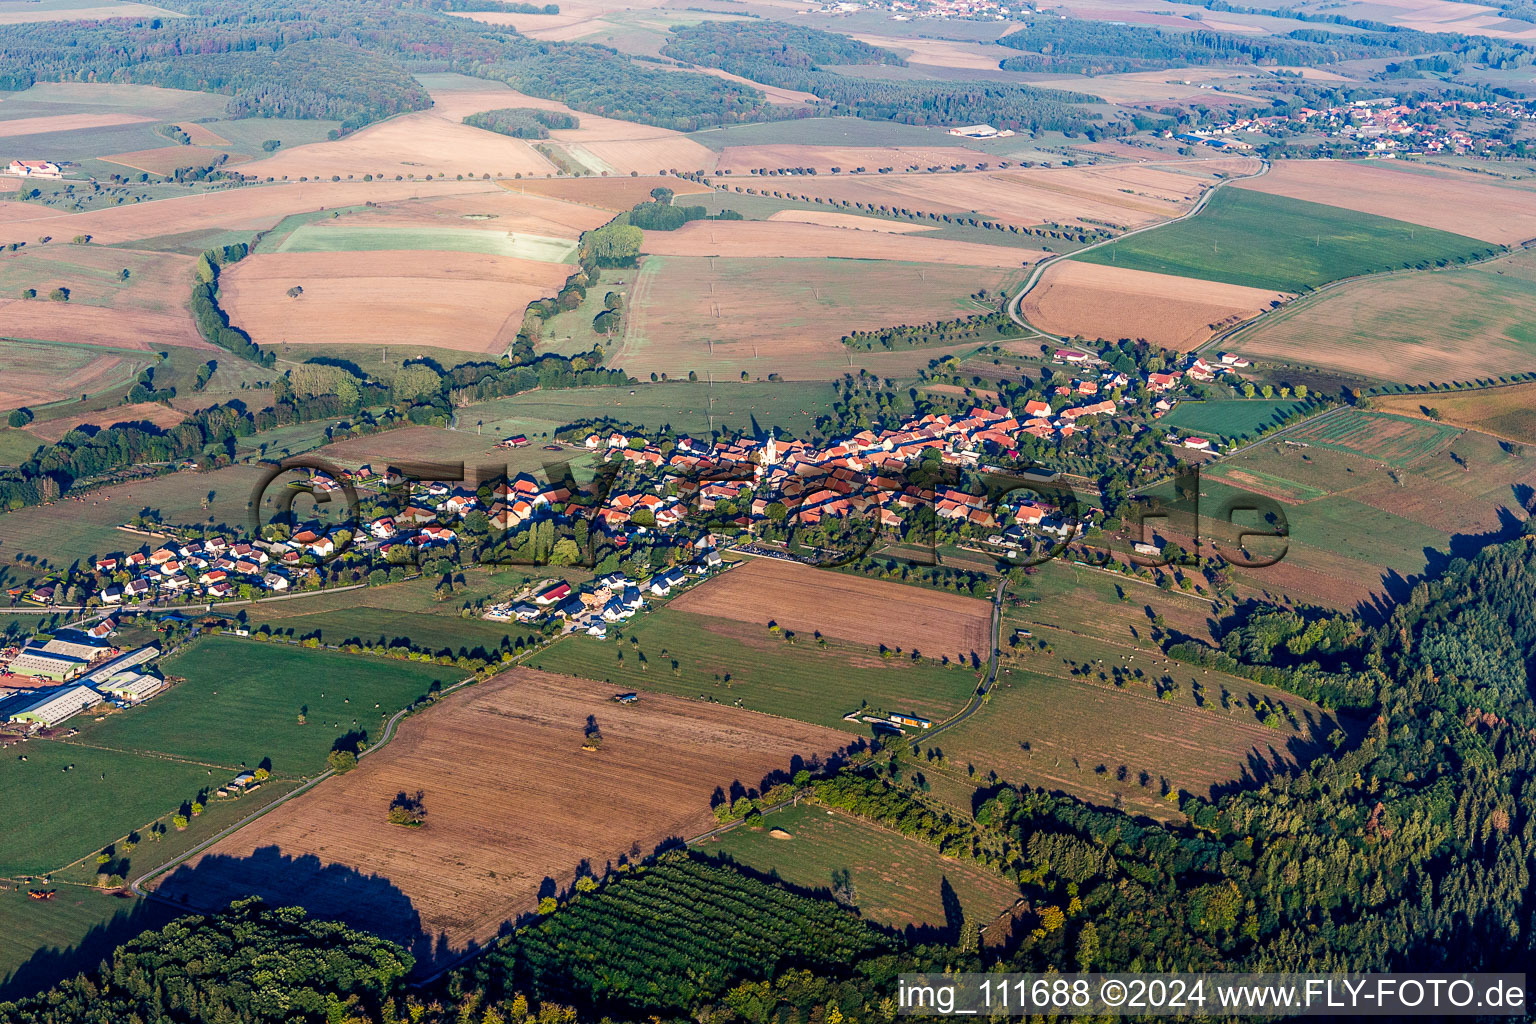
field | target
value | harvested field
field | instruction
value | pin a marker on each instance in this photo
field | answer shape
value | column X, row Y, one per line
column 28, row 12
column 848, row 220
column 772, row 239
column 485, row 211
column 1461, row 203
column 202, row 135
column 416, row 144
column 615, row 194
column 1394, row 440
column 602, row 144
column 1507, row 412
column 152, row 412
column 152, row 282
column 942, row 53
column 1451, row 325
column 744, row 159
column 786, row 316
column 1053, row 722
column 1130, row 195
column 358, row 236
column 512, row 800
column 865, row 611
column 96, row 325
column 42, row 372
column 1110, row 303
column 462, row 301
column 65, row 122
column 238, row 209
column 165, row 159
column 901, row 881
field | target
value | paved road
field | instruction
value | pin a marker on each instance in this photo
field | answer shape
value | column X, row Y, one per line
column 1015, row 303
column 980, row 696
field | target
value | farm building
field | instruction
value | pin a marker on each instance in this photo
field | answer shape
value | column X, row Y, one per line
column 74, row 644
column 56, row 706
column 898, row 718
column 122, row 663
column 35, row 662
column 35, row 169
column 131, row 686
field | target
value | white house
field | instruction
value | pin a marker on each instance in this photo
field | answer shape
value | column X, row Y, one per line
column 34, row 169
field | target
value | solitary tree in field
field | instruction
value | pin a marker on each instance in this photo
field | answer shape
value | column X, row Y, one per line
column 408, row 810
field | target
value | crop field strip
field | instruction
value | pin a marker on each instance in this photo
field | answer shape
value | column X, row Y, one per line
column 864, row 611
column 721, row 316
column 1507, row 412
column 730, row 662
column 1257, row 240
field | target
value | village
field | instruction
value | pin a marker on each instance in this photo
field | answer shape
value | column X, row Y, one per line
column 697, row 496
column 1381, row 126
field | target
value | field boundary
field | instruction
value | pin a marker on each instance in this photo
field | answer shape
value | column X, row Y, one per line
column 1015, row 305
column 1304, row 301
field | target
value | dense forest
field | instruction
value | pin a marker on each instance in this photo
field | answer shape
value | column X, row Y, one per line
column 351, row 61
column 248, row 965
column 1407, row 848
column 795, row 57
column 1097, row 48
column 522, row 122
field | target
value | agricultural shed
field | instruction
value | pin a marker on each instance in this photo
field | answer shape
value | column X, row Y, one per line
column 57, row 705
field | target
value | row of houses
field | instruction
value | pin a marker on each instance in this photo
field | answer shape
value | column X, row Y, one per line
column 864, row 474
column 214, row 567
column 592, row 607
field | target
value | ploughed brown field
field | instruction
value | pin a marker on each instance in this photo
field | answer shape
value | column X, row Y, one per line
column 513, row 804
column 874, row 612
column 757, row 238
column 1445, row 199
column 468, row 302
column 1111, row 303
column 95, row 325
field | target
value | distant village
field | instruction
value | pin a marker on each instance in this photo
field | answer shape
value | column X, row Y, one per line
column 1382, row 126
